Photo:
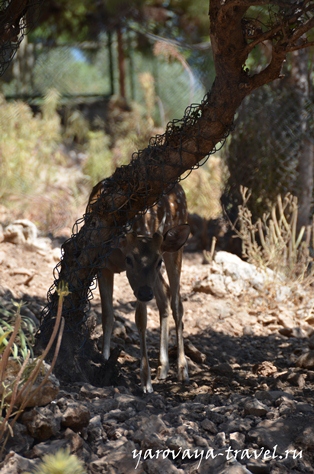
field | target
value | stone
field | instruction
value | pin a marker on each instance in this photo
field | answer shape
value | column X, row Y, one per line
column 208, row 425
column 284, row 433
column 177, row 443
column 36, row 397
column 264, row 368
column 95, row 430
column 239, row 270
column 272, row 395
column 306, row 360
column 21, row 441
column 74, row 415
column 212, row 284
column 150, row 426
column 161, row 466
column 222, row 369
column 71, row 441
column 236, row 468
column 255, row 408
column 89, row 391
column 41, row 422
column 20, row 231
column 237, row 440
column 14, row 464
column 119, row 460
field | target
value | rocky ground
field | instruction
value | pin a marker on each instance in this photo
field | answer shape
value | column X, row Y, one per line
column 247, row 409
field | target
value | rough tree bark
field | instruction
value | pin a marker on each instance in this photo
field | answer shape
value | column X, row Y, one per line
column 132, row 189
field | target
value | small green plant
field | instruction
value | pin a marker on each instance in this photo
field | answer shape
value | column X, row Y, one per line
column 61, row 462
column 273, row 241
column 24, row 339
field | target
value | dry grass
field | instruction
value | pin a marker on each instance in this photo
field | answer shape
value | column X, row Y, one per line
column 273, row 241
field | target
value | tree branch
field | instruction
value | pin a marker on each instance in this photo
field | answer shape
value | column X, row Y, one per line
column 263, row 37
column 302, row 30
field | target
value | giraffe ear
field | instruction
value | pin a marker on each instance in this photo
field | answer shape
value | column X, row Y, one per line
column 175, row 238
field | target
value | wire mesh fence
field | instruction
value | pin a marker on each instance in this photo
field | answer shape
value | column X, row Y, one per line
column 264, row 151
column 90, row 69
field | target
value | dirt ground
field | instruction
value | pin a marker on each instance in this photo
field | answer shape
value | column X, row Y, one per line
column 243, row 348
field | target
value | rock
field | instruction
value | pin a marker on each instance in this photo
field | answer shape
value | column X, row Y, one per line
column 208, row 425
column 284, row 433
column 265, row 368
column 95, row 430
column 222, row 369
column 283, row 292
column 213, row 285
column 124, row 400
column 178, row 443
column 231, row 275
column 296, row 379
column 255, row 407
column 306, row 360
column 272, row 395
column 43, row 448
column 286, row 318
column 21, row 441
column 237, row 440
column 161, row 466
column 41, row 397
column 70, row 441
column 16, row 464
column 41, row 423
column 20, row 231
column 74, row 415
column 236, row 468
column 150, row 426
column 192, row 352
column 120, row 460
column 239, row 270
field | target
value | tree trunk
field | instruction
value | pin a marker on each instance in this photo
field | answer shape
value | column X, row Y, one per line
column 110, row 55
column 121, row 63
column 300, row 81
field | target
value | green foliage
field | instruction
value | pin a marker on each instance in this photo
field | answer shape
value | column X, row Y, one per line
column 25, row 337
